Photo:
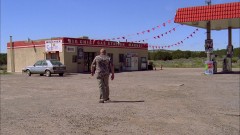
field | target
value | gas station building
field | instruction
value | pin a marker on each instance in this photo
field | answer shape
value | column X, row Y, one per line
column 76, row 53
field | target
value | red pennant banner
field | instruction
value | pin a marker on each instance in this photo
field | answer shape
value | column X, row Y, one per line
column 178, row 43
column 155, row 37
column 143, row 32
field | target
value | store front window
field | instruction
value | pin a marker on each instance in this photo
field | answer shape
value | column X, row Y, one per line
column 52, row 55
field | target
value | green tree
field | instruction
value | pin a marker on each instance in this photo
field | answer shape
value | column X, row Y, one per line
column 202, row 54
column 177, row 54
column 3, row 59
column 236, row 52
column 187, row 54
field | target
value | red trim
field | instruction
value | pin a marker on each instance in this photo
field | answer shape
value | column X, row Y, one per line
column 211, row 12
column 104, row 46
column 81, row 42
column 28, row 46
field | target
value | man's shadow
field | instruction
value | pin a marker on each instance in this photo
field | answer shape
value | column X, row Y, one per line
column 124, row 101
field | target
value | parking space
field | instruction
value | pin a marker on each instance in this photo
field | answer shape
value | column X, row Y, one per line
column 169, row 101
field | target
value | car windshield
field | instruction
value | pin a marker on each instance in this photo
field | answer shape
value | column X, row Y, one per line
column 55, row 62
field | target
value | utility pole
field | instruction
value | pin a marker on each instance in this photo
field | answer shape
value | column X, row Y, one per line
column 208, row 2
column 12, row 55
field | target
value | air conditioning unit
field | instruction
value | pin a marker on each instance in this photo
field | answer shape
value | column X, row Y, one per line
column 84, row 37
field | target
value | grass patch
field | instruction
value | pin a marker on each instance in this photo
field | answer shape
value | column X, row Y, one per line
column 2, row 72
column 192, row 63
column 3, row 69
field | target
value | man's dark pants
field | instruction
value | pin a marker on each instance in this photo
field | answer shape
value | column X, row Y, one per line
column 103, row 87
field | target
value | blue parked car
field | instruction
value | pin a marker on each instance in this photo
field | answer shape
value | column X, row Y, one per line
column 46, row 67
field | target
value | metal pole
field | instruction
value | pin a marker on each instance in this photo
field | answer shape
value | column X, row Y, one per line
column 209, row 38
column 229, row 50
column 12, row 56
column 208, row 2
column 229, row 36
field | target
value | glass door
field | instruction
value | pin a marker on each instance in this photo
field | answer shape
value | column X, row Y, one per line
column 88, row 59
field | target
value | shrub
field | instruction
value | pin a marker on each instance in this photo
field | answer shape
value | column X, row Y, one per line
column 235, row 59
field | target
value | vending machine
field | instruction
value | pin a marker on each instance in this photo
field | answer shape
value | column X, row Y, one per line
column 134, row 63
column 143, row 63
column 131, row 62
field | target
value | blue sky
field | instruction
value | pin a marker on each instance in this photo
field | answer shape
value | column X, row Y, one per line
column 105, row 19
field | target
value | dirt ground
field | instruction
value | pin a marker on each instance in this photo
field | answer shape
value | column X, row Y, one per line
column 162, row 102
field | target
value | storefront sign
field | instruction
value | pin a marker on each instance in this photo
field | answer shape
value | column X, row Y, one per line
column 70, row 49
column 53, row 45
column 132, row 55
column 209, row 45
column 103, row 43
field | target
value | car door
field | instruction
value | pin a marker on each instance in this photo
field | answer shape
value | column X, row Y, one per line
column 37, row 67
column 43, row 67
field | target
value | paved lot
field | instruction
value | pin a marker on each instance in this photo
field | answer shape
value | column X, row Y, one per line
column 169, row 102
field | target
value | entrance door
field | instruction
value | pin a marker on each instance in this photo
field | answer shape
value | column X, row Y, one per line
column 88, row 59
column 111, row 56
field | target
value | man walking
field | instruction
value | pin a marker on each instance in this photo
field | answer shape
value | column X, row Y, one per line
column 102, row 66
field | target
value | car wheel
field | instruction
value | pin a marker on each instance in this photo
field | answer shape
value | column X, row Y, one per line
column 48, row 73
column 28, row 72
column 41, row 74
column 60, row 74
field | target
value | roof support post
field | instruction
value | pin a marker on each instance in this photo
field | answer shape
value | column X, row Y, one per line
column 209, row 30
column 230, row 46
column 229, row 36
column 208, row 42
column 229, row 50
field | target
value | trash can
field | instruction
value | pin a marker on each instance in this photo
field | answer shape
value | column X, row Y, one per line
column 208, row 67
column 150, row 67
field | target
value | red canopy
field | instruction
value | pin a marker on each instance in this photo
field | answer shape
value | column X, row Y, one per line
column 221, row 16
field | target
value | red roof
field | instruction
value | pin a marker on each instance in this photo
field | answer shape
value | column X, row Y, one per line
column 206, row 13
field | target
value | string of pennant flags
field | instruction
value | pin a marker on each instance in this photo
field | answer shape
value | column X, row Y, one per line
column 142, row 32
column 178, row 43
column 160, row 35
column 157, row 36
